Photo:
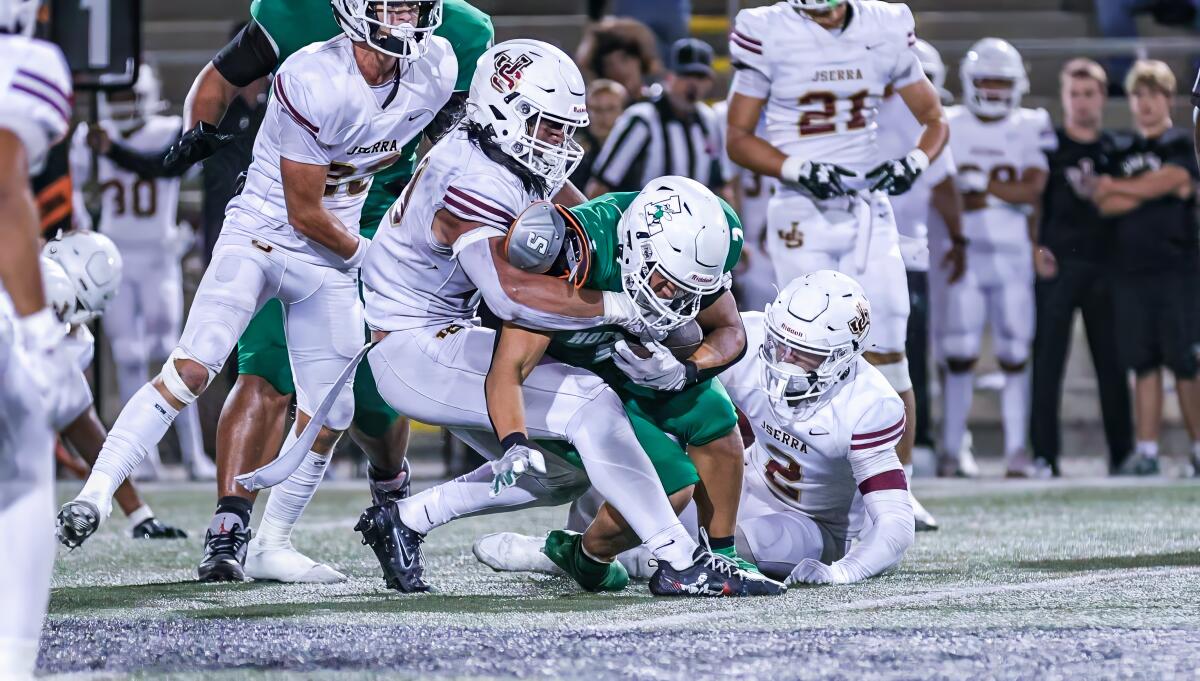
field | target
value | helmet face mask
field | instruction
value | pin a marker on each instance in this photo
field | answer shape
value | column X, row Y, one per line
column 993, row 79
column 129, row 109
column 19, row 17
column 663, row 314
column 386, row 25
column 819, row 6
column 554, row 161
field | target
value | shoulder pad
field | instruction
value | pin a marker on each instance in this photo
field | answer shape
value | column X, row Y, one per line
column 536, row 237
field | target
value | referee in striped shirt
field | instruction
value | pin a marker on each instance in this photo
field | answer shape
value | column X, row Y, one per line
column 675, row 133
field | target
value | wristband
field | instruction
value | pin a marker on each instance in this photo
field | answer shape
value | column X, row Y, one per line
column 959, row 240
column 790, row 171
column 692, row 373
column 360, row 253
column 513, row 439
column 919, row 159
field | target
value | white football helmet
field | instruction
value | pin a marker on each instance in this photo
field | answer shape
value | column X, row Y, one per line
column 993, row 59
column 816, row 328
column 19, row 17
column 815, row 5
column 60, row 292
column 520, row 86
column 932, row 65
column 367, row 21
column 147, row 101
column 93, row 265
column 675, row 228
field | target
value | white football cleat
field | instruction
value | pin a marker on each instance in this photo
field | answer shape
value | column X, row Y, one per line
column 201, row 468
column 288, row 565
column 925, row 522
column 967, row 467
column 512, row 552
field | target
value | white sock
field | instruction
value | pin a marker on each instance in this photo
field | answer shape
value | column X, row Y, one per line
column 1014, row 411
column 956, row 407
column 143, row 513
column 673, row 545
column 287, row 501
column 131, row 376
column 142, row 424
column 191, row 438
column 1148, row 448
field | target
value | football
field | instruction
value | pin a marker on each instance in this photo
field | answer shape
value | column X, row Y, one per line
column 682, row 342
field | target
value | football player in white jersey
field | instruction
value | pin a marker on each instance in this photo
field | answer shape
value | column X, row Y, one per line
column 139, row 215
column 826, row 426
column 339, row 112
column 1000, row 149
column 441, row 249
column 35, row 112
column 819, row 68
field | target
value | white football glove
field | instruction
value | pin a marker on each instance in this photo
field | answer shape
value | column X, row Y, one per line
column 659, row 371
column 971, row 181
column 822, row 180
column 518, row 460
column 811, row 571
column 40, row 336
column 620, row 309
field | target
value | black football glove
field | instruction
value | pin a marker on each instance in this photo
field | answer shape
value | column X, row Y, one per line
column 194, row 146
column 898, row 175
column 822, row 180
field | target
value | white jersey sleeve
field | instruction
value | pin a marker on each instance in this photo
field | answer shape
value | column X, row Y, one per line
column 747, row 39
column 300, row 127
column 873, row 441
column 907, row 68
column 1042, row 138
column 35, row 95
column 478, row 197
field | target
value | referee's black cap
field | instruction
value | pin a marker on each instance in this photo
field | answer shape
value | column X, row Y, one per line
column 692, row 57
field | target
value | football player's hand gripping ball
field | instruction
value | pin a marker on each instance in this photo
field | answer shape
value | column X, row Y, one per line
column 659, row 371
column 518, row 460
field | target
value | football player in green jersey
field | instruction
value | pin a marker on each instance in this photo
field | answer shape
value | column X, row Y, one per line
column 625, row 242
column 251, row 427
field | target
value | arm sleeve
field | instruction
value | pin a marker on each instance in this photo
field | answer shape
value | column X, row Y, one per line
column 891, row 533
column 36, row 103
column 750, row 29
column 298, row 129
column 623, row 149
column 476, row 260
column 249, row 56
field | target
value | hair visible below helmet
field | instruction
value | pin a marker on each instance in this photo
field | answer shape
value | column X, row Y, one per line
column 60, row 292
column 993, row 59
column 932, row 64
column 19, row 17
column 93, row 264
column 815, row 5
column 147, row 101
column 676, row 228
column 822, row 318
column 365, row 21
column 518, row 86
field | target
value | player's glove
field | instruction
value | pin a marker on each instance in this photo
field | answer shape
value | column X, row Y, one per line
column 518, row 460
column 971, row 181
column 194, row 146
column 659, row 371
column 620, row 309
column 822, row 180
column 811, row 571
column 897, row 176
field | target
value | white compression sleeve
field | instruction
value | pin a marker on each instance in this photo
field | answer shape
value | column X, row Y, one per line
column 287, row 501
column 142, row 424
column 891, row 533
column 476, row 260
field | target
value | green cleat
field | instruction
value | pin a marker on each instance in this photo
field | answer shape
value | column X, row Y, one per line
column 565, row 549
column 732, row 554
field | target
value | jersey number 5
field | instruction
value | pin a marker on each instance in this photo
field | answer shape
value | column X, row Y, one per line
column 826, row 119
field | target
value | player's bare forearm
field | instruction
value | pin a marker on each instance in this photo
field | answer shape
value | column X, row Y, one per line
column 518, row 351
column 596, row 188
column 923, row 101
column 19, row 272
column 208, row 98
column 1025, row 191
column 303, row 189
column 569, row 195
column 1150, row 185
column 542, row 292
column 724, row 336
column 1117, row 204
column 745, row 148
column 947, row 201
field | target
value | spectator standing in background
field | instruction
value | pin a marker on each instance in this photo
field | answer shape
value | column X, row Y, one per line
column 1151, row 195
column 1077, row 243
column 675, row 133
column 605, row 102
column 620, row 49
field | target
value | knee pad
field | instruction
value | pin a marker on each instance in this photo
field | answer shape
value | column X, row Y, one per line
column 960, row 345
column 897, row 375
column 1011, row 351
column 173, row 382
column 960, row 366
column 132, row 352
column 342, row 412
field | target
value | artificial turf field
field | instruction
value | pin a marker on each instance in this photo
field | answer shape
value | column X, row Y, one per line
column 1026, row 580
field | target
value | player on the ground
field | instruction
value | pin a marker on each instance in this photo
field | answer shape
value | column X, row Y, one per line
column 934, row 190
column 81, row 273
column 665, row 394
column 139, row 215
column 340, row 111
column 441, row 246
column 1000, row 149
column 819, row 68
column 826, row 425
column 35, row 112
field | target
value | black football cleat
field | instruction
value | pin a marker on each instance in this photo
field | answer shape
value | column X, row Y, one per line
column 397, row 547
column 381, row 497
column 153, row 528
column 77, row 520
column 711, row 575
column 224, row 555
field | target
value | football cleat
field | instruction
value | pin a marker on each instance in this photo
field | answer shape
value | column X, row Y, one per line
column 513, row 552
column 711, row 575
column 77, row 520
column 967, row 467
column 923, row 519
column 397, row 546
column 286, row 564
column 224, row 555
column 1018, row 465
column 381, row 496
column 1139, row 465
column 153, row 528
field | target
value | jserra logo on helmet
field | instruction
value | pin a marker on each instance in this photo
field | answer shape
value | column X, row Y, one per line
column 508, row 71
column 861, row 322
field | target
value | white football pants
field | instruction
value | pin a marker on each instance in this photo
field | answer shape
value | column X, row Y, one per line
column 995, row 291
